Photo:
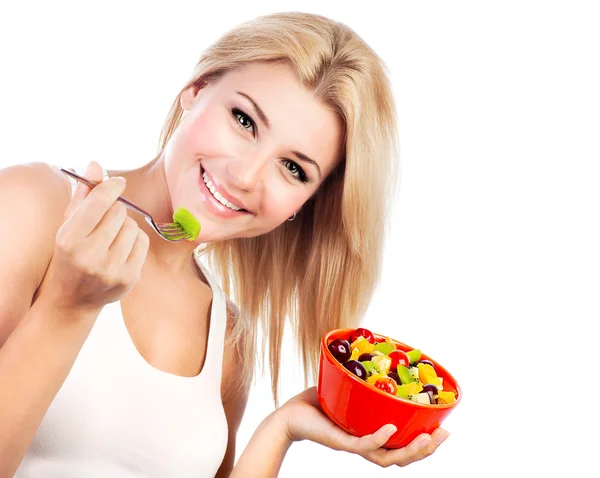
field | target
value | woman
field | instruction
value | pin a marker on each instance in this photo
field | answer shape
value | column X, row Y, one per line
column 282, row 145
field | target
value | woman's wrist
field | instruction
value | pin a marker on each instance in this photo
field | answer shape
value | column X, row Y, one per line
column 264, row 454
column 279, row 421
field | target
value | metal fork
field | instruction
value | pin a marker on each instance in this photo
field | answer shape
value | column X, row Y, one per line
column 169, row 231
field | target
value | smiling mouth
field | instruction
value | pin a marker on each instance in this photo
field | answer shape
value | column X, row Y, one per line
column 218, row 196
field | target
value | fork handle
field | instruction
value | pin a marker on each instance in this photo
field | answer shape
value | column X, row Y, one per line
column 93, row 184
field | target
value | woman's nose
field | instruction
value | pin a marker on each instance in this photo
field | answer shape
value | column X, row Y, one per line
column 247, row 172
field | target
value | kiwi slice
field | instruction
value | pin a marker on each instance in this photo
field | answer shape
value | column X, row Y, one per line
column 188, row 222
column 404, row 375
column 371, row 368
column 384, row 348
column 414, row 355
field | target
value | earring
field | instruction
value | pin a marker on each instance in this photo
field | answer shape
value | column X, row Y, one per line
column 291, row 218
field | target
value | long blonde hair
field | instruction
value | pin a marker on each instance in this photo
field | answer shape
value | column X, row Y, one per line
column 321, row 269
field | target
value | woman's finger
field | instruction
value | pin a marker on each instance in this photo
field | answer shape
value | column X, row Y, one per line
column 107, row 230
column 138, row 254
column 370, row 443
column 93, row 172
column 421, row 447
column 123, row 243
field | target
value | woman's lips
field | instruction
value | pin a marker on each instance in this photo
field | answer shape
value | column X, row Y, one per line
column 214, row 205
column 223, row 192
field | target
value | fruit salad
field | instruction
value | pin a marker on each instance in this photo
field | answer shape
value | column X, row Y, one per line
column 384, row 366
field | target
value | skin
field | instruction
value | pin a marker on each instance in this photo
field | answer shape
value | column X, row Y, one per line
column 255, row 163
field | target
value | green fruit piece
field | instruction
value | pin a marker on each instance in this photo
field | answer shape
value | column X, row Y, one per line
column 402, row 392
column 188, row 222
column 384, row 348
column 371, row 368
column 414, row 355
column 405, row 375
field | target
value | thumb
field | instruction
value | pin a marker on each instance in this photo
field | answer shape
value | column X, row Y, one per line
column 372, row 442
column 94, row 173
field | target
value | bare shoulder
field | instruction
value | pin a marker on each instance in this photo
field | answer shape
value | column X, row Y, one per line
column 33, row 200
column 35, row 182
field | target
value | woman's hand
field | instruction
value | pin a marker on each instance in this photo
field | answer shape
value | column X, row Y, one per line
column 99, row 250
column 303, row 420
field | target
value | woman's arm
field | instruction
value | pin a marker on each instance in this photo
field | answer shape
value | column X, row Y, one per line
column 38, row 344
column 265, row 451
column 302, row 419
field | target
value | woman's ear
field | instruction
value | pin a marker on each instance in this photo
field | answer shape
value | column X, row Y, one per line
column 188, row 96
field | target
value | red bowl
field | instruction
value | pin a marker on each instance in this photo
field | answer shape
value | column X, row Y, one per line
column 361, row 409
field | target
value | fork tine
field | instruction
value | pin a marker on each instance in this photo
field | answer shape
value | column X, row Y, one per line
column 176, row 239
column 173, row 232
column 171, row 228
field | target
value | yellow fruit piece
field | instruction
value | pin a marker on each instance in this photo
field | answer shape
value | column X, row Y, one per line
column 427, row 374
column 383, row 363
column 363, row 345
column 412, row 388
column 391, row 342
column 355, row 354
column 446, row 397
column 373, row 378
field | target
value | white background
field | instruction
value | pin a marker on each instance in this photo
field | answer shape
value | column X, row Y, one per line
column 493, row 263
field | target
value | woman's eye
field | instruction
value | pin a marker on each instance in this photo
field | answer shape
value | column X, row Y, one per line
column 295, row 170
column 243, row 120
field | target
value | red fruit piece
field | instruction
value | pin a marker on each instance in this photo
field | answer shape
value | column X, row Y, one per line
column 387, row 384
column 399, row 357
column 367, row 334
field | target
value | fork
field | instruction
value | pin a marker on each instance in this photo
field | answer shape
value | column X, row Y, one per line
column 170, row 231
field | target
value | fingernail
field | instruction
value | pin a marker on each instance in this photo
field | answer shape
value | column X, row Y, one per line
column 441, row 438
column 121, row 178
column 390, row 431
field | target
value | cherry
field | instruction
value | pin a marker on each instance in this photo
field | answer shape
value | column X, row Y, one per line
column 367, row 334
column 356, row 368
column 399, row 358
column 340, row 349
column 387, row 384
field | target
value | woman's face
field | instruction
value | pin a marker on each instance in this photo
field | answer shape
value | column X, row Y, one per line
column 252, row 147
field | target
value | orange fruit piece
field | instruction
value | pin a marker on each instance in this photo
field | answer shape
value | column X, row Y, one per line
column 373, row 378
column 355, row 354
column 446, row 397
column 363, row 345
column 427, row 374
column 391, row 342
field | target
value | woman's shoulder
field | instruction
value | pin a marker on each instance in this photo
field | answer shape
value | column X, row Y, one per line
column 33, row 200
column 36, row 182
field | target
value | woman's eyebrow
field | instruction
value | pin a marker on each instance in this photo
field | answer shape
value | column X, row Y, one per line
column 303, row 157
column 259, row 111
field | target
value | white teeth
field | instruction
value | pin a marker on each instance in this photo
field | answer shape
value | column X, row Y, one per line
column 217, row 195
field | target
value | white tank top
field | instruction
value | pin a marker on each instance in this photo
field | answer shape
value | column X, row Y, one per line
column 117, row 416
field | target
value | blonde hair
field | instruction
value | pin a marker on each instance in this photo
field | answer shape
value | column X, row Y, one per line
column 321, row 269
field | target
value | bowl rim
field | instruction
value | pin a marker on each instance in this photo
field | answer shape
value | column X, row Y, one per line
column 333, row 360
